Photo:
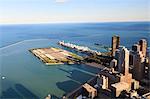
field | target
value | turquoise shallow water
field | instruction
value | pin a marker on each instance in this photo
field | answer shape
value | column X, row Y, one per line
column 28, row 77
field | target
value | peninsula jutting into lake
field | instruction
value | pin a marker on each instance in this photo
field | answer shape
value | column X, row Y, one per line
column 53, row 56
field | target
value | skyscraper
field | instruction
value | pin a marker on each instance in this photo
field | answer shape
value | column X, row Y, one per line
column 136, row 47
column 115, row 44
column 143, row 46
column 138, row 63
column 122, row 56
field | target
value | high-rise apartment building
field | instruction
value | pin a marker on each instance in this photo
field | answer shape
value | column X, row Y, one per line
column 143, row 46
column 122, row 56
column 138, row 63
column 115, row 44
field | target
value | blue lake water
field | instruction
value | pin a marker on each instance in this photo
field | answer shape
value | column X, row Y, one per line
column 28, row 77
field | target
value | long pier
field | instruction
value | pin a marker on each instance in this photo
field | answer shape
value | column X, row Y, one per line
column 79, row 48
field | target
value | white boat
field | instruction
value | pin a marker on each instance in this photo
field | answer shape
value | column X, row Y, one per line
column 3, row 77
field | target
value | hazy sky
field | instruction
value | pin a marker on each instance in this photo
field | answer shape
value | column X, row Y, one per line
column 49, row 11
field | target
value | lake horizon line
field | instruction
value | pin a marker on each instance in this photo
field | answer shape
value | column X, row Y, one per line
column 102, row 22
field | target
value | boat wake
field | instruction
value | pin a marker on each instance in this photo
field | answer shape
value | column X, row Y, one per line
column 20, row 42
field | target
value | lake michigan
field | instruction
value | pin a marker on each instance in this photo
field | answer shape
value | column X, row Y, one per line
column 27, row 77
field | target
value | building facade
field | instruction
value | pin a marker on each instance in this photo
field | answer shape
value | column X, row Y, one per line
column 115, row 44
